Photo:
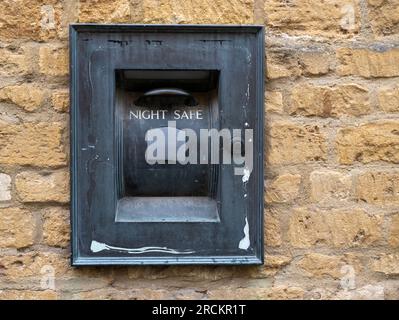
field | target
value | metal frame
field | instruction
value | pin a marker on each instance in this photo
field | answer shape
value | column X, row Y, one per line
column 256, row 208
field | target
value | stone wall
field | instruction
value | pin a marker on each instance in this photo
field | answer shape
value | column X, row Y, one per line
column 332, row 152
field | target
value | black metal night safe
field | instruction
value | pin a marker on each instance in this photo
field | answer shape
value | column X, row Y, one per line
column 166, row 144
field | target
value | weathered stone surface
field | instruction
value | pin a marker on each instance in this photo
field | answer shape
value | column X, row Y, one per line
column 53, row 61
column 60, row 100
column 328, row 185
column 27, row 96
column 28, row 295
column 167, row 11
column 274, row 102
column 141, row 294
column 105, row 11
column 259, row 272
column 29, row 19
column 336, row 228
column 282, row 64
column 379, row 187
column 285, row 293
column 56, row 227
column 340, row 267
column 320, row 265
column 15, row 62
column 79, row 280
column 311, row 17
column 5, row 187
column 384, row 17
column 314, row 62
column 42, row 187
column 293, row 143
column 376, row 141
column 277, row 261
column 273, row 264
column 116, row 294
column 387, row 264
column 203, row 11
column 368, row 63
column 367, row 292
column 37, row 144
column 284, row 188
column 33, row 265
column 207, row 11
column 391, row 290
column 388, row 99
column 272, row 228
column 17, row 228
column 394, row 231
column 256, row 293
column 185, row 273
column 323, row 101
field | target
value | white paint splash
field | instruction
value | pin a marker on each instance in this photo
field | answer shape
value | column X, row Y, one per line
column 99, row 246
column 246, row 175
column 245, row 242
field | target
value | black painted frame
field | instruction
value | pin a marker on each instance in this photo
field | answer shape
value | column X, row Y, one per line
column 84, row 119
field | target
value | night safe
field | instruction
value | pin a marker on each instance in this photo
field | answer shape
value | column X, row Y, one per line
column 166, row 144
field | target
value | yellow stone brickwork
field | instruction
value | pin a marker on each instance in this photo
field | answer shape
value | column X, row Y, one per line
column 331, row 152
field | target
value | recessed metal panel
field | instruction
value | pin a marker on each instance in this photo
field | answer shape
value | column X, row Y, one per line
column 129, row 82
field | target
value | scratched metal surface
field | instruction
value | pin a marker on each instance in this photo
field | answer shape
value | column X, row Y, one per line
column 97, row 52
